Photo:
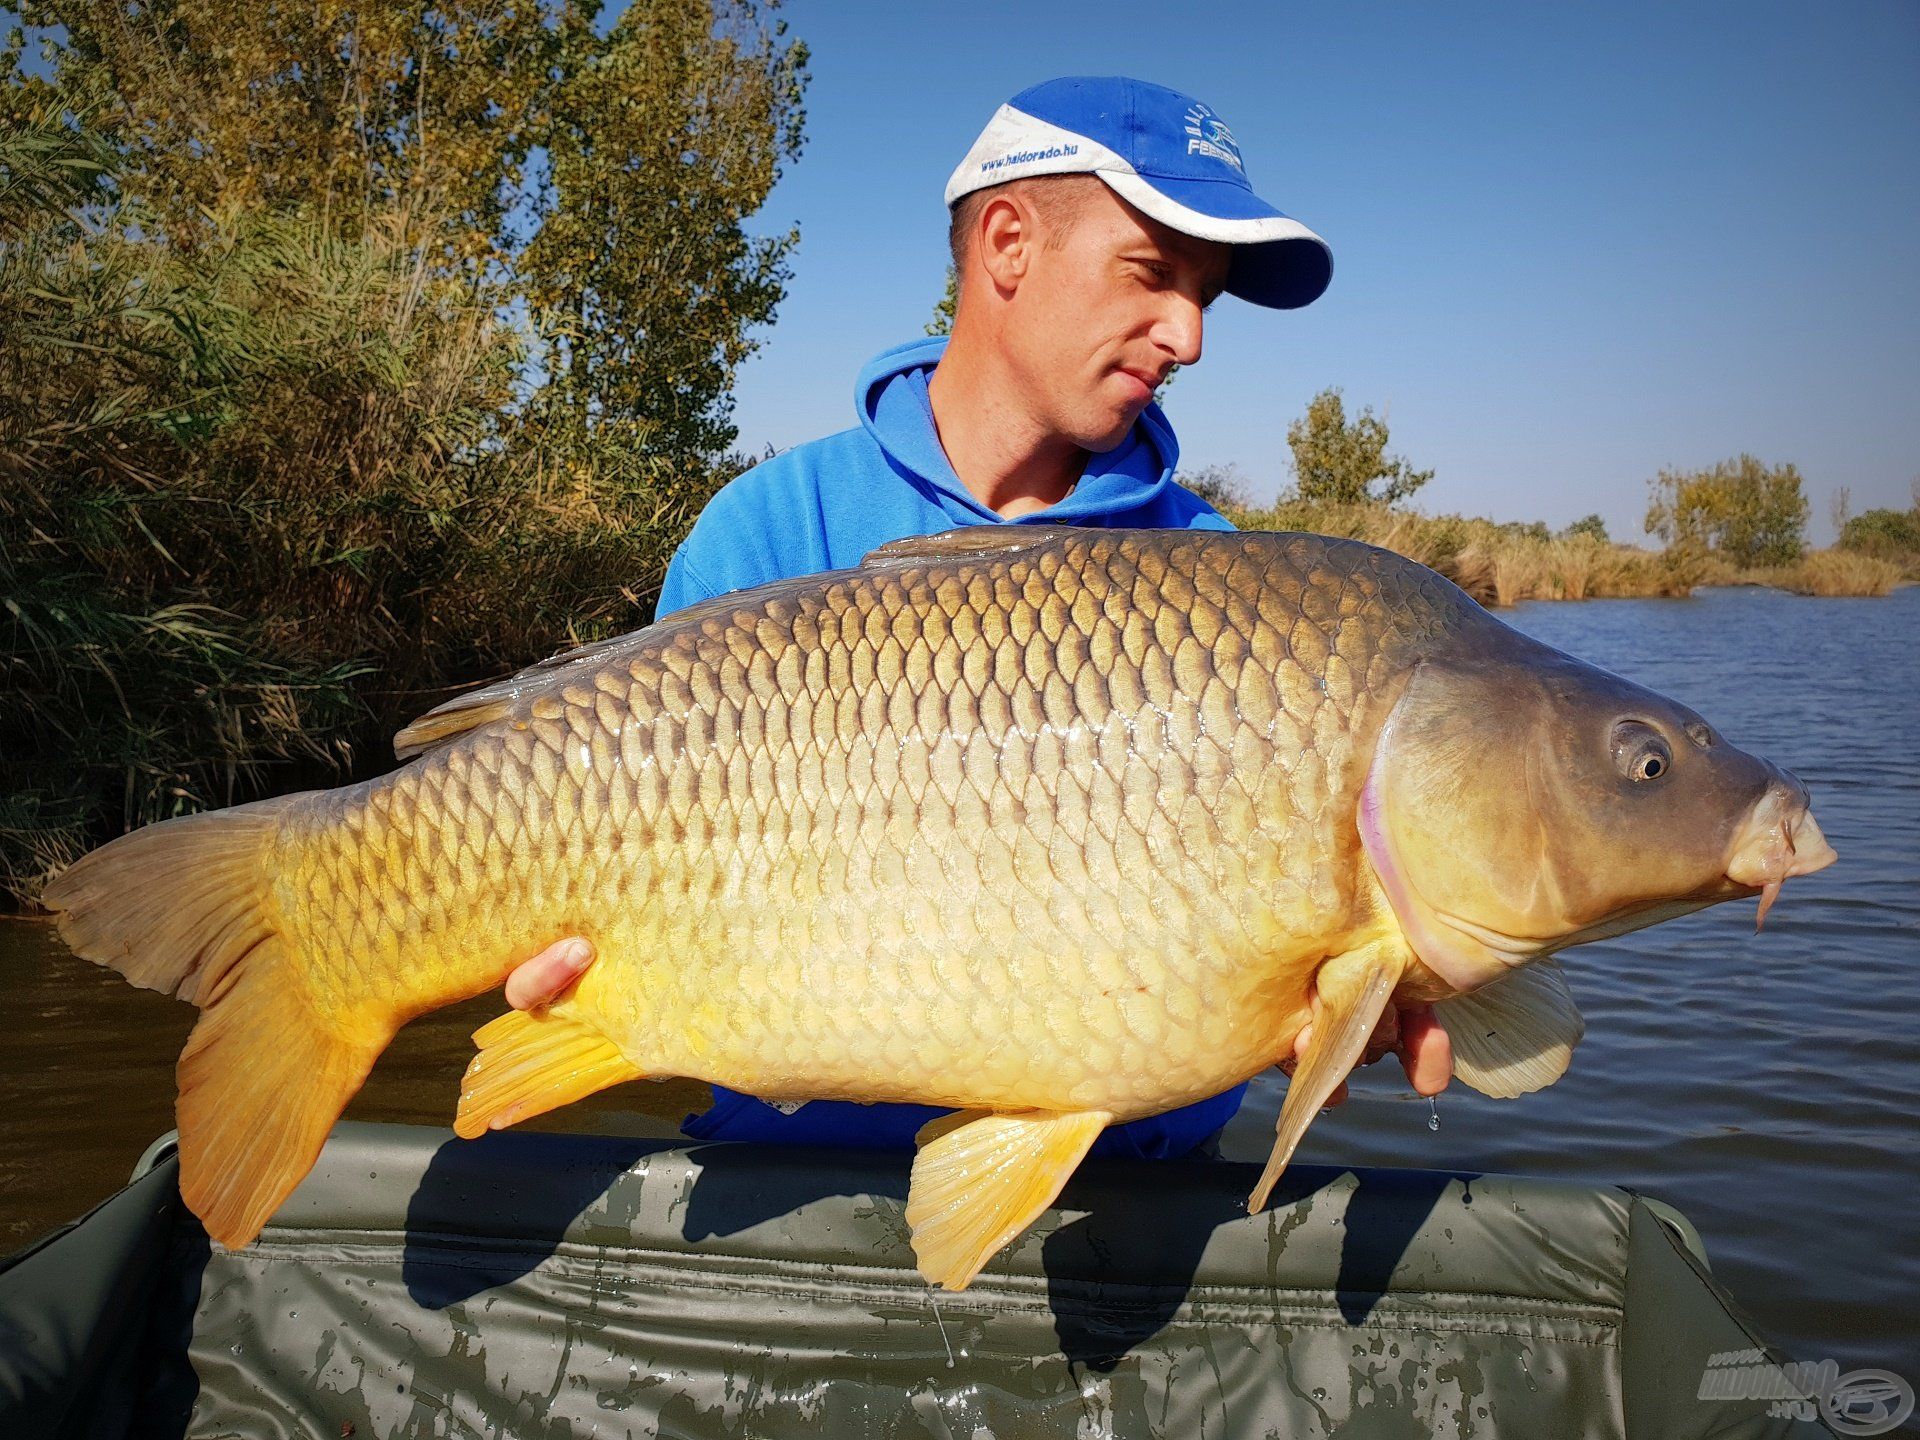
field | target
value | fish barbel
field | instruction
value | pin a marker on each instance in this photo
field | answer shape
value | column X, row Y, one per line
column 1056, row 827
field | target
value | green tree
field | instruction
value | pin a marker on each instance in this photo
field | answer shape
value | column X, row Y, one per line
column 409, row 369
column 1590, row 526
column 1750, row 512
column 362, row 112
column 1342, row 462
column 662, row 137
column 595, row 184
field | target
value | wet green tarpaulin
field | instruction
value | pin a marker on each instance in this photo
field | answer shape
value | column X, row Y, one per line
column 566, row 1286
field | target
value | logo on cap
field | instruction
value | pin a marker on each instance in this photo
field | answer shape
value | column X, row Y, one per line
column 1207, row 134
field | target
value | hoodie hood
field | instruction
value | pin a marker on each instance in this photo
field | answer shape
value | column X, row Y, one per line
column 892, row 400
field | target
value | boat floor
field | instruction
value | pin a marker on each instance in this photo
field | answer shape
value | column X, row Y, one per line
column 572, row 1286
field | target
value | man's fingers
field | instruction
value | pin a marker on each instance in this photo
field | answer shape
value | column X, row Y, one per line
column 1414, row 1034
column 544, row 978
column 1385, row 1038
column 1425, row 1050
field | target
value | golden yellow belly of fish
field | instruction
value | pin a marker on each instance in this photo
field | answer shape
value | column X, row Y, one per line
column 1056, row 827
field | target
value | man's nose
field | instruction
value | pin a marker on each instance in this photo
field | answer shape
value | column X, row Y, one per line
column 1178, row 330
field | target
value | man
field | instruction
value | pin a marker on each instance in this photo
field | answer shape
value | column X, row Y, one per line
column 1092, row 224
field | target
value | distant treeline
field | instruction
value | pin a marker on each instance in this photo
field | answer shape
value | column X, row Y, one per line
column 1739, row 522
column 348, row 356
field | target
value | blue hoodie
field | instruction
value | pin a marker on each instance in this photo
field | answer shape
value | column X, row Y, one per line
column 824, row 506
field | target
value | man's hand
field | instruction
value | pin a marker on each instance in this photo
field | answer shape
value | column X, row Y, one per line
column 1413, row 1034
column 545, row 978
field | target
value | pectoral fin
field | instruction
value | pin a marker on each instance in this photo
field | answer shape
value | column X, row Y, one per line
column 980, row 1178
column 1515, row 1035
column 1354, row 990
column 533, row 1061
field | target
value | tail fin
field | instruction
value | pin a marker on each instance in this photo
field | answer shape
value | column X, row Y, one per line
column 177, row 907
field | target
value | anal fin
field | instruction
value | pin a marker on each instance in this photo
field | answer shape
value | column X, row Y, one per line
column 1515, row 1035
column 1354, row 991
column 533, row 1061
column 981, row 1177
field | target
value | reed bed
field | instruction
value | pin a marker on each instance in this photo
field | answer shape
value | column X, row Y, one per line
column 1831, row 573
column 1497, row 564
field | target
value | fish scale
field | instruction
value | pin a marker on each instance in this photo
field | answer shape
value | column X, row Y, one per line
column 1056, row 827
column 1007, row 797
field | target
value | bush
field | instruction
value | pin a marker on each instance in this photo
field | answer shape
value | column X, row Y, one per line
column 1889, row 535
column 1749, row 512
column 1342, row 462
column 1590, row 526
column 263, row 501
column 1221, row 486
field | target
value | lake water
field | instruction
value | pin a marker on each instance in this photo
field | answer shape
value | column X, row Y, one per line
column 1769, row 1086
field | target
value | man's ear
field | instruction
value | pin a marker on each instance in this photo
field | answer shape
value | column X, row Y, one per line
column 1006, row 238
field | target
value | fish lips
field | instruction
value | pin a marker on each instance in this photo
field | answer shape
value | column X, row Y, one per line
column 1779, row 841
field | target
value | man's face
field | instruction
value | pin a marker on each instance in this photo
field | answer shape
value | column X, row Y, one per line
column 1105, row 311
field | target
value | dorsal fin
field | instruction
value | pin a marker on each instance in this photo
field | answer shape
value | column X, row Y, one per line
column 487, row 703
column 969, row 542
column 447, row 722
column 454, row 718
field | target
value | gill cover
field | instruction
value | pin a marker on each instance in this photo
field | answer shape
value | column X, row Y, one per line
column 1521, row 801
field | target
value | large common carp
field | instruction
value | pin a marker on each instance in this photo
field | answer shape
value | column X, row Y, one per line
column 1057, row 827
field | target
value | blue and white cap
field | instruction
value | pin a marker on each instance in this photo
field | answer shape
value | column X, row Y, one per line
column 1167, row 155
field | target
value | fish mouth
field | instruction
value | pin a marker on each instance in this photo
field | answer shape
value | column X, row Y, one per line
column 1780, row 840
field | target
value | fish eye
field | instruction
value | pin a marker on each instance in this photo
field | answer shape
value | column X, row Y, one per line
column 1640, row 751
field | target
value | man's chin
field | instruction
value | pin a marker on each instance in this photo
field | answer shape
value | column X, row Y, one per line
column 1099, row 442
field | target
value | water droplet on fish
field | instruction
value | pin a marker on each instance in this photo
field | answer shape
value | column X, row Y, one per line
column 1319, row 1392
column 1433, row 1113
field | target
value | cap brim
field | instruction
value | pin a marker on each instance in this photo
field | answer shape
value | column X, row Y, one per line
column 1277, row 261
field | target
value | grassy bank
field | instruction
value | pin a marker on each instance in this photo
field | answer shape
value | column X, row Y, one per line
column 1498, row 564
column 1502, row 564
column 1828, row 572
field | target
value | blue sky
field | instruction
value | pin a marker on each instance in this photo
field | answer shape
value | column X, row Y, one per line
column 1573, row 243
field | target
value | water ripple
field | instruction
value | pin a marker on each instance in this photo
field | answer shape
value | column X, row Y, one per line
column 1764, row 1084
